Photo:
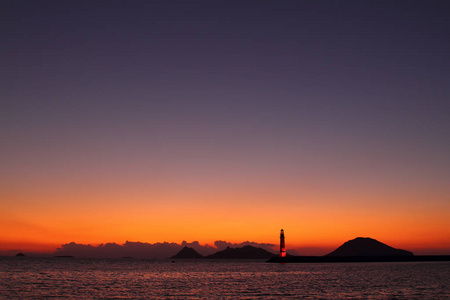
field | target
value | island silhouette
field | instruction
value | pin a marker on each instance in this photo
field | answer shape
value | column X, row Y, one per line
column 362, row 250
column 187, row 253
column 357, row 249
column 139, row 250
column 246, row 252
column 367, row 247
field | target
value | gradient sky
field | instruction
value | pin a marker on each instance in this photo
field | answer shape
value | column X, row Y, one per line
column 161, row 121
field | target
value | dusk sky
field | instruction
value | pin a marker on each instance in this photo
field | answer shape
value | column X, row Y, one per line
column 162, row 121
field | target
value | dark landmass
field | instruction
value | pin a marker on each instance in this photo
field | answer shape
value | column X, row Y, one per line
column 339, row 259
column 363, row 250
column 64, row 256
column 140, row 250
column 20, row 254
column 246, row 252
column 187, row 253
column 367, row 247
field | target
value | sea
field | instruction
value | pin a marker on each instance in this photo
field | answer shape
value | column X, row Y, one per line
column 74, row 278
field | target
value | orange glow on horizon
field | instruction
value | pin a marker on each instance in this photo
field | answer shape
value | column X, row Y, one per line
column 38, row 217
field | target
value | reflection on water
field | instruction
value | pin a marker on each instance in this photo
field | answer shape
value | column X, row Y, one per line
column 81, row 278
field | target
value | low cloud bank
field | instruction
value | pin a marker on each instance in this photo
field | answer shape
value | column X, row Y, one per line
column 147, row 250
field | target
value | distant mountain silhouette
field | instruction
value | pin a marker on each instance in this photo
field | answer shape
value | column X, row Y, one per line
column 139, row 250
column 246, row 252
column 187, row 253
column 367, row 247
column 20, row 254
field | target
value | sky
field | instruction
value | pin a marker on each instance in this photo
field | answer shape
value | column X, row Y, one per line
column 176, row 121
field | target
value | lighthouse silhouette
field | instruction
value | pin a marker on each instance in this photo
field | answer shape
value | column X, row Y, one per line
column 282, row 245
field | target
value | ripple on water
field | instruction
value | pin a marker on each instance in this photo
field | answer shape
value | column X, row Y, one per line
column 78, row 278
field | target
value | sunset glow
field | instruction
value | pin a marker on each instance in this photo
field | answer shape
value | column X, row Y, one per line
column 153, row 122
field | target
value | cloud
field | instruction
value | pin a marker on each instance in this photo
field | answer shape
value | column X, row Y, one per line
column 220, row 245
column 147, row 250
column 113, row 250
column 204, row 250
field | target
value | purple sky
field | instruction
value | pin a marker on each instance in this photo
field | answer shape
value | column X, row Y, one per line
column 215, row 93
column 244, row 79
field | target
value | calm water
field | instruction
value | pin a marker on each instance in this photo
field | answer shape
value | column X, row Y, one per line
column 130, row 279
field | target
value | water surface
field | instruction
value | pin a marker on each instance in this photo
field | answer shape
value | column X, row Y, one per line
column 138, row 279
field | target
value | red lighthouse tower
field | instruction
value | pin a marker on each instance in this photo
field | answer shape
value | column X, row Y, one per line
column 282, row 245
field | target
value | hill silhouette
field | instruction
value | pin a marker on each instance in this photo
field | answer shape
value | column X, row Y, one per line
column 187, row 253
column 367, row 247
column 246, row 252
column 142, row 250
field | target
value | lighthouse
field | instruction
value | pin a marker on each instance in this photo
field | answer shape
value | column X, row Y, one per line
column 282, row 245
